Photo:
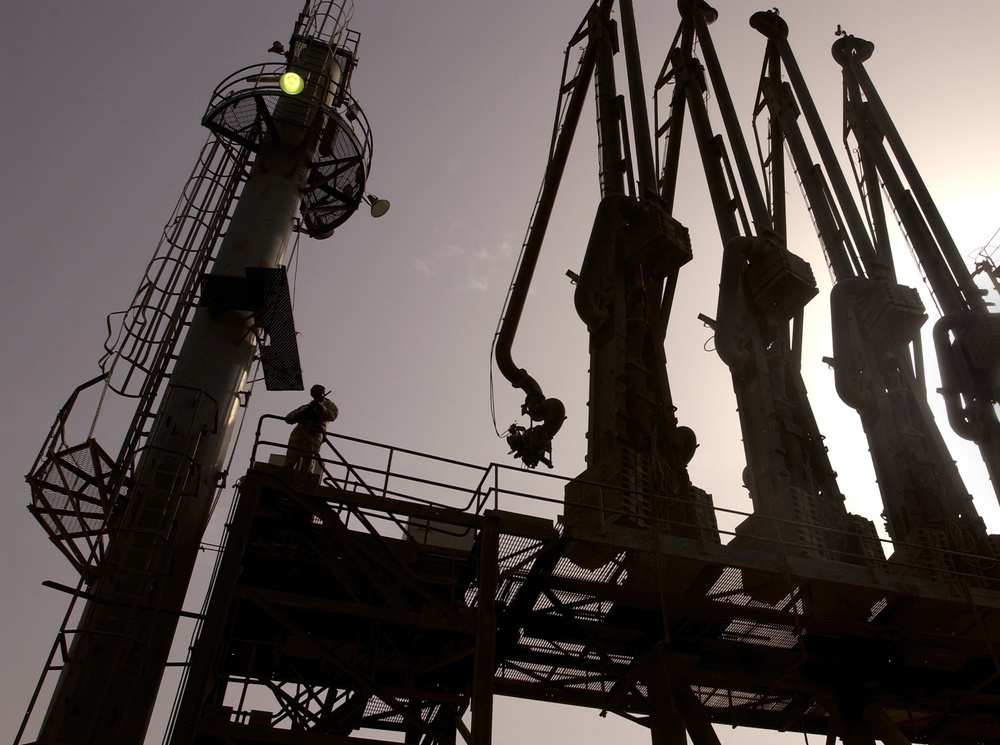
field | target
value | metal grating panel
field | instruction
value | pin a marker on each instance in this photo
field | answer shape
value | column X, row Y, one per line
column 273, row 312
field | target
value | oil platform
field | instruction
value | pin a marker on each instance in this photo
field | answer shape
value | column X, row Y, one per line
column 385, row 595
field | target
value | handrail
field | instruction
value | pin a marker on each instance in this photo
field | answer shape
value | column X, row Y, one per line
column 57, row 432
column 261, row 79
column 492, row 488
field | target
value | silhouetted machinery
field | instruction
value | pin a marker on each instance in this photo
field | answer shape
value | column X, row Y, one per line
column 364, row 599
column 636, row 476
column 875, row 319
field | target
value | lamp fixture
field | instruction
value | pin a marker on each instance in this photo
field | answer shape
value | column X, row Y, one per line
column 379, row 206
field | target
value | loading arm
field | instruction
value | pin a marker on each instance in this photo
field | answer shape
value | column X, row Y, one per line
column 874, row 319
column 763, row 290
column 534, row 444
column 968, row 335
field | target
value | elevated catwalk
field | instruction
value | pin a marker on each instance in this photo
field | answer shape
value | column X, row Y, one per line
column 395, row 592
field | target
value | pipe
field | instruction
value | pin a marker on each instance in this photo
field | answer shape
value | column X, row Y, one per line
column 645, row 167
column 734, row 131
column 675, row 122
column 835, row 242
column 549, row 411
column 951, row 389
column 517, row 376
column 710, row 149
column 771, row 25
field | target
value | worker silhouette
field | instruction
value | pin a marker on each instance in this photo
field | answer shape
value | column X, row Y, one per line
column 310, row 423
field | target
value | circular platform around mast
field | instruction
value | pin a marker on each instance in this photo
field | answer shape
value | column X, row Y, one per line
column 249, row 108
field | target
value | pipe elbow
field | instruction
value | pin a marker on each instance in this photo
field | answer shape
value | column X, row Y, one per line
column 951, row 387
column 533, row 445
column 551, row 412
column 505, row 363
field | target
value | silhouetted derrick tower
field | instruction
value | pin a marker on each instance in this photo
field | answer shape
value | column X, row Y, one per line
column 290, row 150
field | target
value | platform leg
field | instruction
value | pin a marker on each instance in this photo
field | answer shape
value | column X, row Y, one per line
column 486, row 632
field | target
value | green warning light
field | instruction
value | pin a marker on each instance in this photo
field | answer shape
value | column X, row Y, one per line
column 292, row 83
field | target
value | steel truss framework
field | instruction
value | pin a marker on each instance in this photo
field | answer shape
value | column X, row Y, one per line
column 335, row 619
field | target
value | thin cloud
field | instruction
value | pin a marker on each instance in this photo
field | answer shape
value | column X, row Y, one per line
column 422, row 267
column 482, row 266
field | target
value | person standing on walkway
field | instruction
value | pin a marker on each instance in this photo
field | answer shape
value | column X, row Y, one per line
column 310, row 422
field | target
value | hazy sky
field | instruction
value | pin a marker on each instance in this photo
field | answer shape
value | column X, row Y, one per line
column 102, row 104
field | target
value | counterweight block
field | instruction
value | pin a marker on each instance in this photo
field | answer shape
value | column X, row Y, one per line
column 780, row 281
column 659, row 240
column 891, row 312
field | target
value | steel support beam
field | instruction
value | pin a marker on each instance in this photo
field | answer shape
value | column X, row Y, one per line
column 486, row 632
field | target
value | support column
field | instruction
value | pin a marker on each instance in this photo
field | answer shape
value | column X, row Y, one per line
column 676, row 711
column 666, row 728
column 486, row 631
column 666, row 724
column 202, row 686
column 698, row 725
column 883, row 727
column 847, row 721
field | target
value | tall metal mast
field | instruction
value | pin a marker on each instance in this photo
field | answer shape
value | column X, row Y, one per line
column 296, row 148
